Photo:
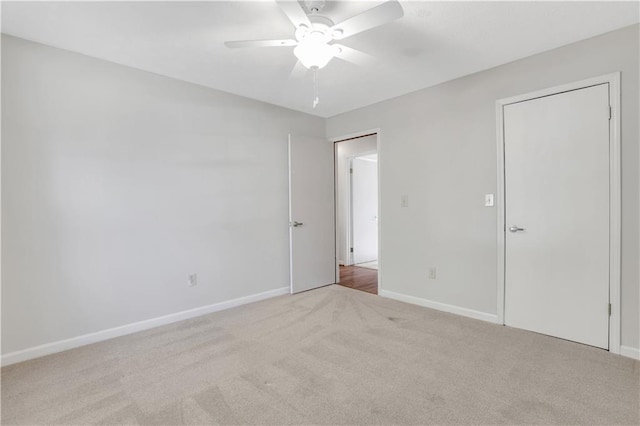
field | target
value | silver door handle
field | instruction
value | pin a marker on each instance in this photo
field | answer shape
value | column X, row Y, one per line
column 295, row 224
column 515, row 229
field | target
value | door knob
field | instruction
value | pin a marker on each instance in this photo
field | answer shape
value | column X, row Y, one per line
column 515, row 229
column 295, row 224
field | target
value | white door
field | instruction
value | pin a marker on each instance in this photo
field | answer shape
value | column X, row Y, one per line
column 557, row 215
column 311, row 213
column 364, row 208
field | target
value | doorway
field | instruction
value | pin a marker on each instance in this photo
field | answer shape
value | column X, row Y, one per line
column 559, row 221
column 357, row 206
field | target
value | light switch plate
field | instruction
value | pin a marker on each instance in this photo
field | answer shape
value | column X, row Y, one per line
column 488, row 200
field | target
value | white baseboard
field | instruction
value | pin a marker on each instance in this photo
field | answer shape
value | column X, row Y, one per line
column 630, row 352
column 624, row 350
column 86, row 339
column 440, row 306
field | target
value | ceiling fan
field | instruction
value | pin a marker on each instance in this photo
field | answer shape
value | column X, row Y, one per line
column 314, row 33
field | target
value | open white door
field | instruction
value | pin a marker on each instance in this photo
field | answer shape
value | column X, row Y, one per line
column 364, row 208
column 311, row 213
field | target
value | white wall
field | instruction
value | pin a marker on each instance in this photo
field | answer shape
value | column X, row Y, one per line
column 438, row 145
column 118, row 183
column 344, row 151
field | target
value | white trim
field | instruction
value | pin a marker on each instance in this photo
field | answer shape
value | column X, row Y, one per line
column 465, row 312
column 615, row 214
column 290, row 215
column 354, row 135
column 86, row 339
column 336, row 172
column 348, row 209
column 630, row 352
column 380, row 256
column 593, row 81
column 500, row 213
column 615, row 193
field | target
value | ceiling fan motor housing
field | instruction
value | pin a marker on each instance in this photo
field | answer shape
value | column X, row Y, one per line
column 320, row 29
column 314, row 6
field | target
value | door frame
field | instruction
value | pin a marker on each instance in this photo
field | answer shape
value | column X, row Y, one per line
column 349, row 213
column 334, row 141
column 615, row 197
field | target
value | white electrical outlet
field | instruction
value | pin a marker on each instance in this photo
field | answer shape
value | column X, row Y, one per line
column 432, row 273
column 192, row 280
column 404, row 201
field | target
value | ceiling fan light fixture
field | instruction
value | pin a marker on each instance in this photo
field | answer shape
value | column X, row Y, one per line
column 301, row 32
column 314, row 54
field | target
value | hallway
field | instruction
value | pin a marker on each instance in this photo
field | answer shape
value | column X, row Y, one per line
column 359, row 278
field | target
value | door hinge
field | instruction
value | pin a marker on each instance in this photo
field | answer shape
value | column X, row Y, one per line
column 351, row 170
column 351, row 250
column 609, row 309
column 610, row 112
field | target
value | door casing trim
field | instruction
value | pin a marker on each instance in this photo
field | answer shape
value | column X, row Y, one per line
column 615, row 200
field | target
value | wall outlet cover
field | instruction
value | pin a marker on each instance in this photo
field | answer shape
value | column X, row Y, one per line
column 192, row 280
column 488, row 200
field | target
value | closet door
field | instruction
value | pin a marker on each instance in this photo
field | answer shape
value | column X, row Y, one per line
column 557, row 215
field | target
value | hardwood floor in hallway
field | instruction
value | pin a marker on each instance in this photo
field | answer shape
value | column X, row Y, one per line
column 358, row 278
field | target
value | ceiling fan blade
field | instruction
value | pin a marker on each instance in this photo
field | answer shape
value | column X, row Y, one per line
column 294, row 12
column 379, row 15
column 354, row 56
column 298, row 70
column 260, row 43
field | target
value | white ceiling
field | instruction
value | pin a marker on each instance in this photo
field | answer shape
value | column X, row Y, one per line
column 434, row 42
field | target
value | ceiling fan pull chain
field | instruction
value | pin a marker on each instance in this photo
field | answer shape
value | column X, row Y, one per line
column 316, row 98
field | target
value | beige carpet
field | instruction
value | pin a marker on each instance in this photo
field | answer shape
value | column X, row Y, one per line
column 328, row 356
